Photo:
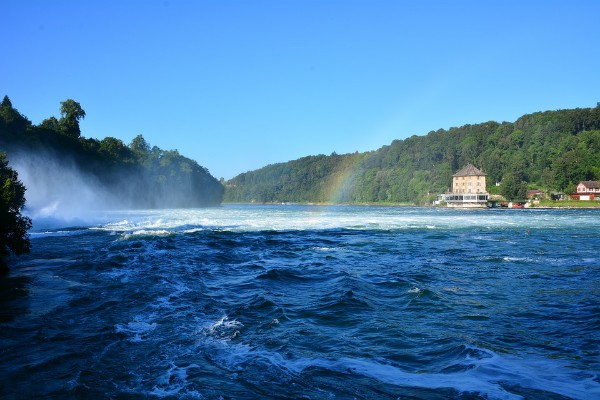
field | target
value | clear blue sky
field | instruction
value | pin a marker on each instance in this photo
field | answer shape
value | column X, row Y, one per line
column 237, row 85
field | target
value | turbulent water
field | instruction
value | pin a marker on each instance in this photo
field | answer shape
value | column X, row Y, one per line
column 307, row 302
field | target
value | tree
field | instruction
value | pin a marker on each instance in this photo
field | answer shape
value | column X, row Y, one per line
column 114, row 150
column 140, row 146
column 6, row 102
column 11, row 118
column 513, row 186
column 13, row 225
column 71, row 112
column 50, row 124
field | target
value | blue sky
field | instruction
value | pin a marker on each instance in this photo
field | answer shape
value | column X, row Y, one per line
column 237, row 85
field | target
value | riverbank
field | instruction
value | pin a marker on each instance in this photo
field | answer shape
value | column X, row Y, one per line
column 546, row 204
column 381, row 204
column 566, row 204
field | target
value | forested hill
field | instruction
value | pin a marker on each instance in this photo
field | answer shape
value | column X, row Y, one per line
column 133, row 175
column 551, row 150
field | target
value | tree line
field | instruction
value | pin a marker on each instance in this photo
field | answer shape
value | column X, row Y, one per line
column 551, row 150
column 141, row 176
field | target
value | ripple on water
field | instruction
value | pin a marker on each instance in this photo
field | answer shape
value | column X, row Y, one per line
column 370, row 303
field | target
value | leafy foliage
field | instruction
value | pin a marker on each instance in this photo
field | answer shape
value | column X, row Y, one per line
column 13, row 225
column 11, row 120
column 139, row 175
column 551, row 150
column 71, row 112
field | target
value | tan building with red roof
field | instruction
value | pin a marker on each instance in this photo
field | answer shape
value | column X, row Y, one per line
column 468, row 189
column 469, row 180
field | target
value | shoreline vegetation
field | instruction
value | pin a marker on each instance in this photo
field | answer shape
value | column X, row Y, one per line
column 549, row 204
column 566, row 204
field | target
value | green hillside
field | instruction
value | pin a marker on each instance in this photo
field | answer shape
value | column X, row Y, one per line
column 551, row 150
column 136, row 175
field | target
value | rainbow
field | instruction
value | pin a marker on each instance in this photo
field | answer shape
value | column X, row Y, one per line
column 341, row 182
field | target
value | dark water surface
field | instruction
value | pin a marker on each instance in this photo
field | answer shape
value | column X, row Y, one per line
column 306, row 302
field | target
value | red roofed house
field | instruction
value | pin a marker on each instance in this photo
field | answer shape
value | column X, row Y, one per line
column 587, row 190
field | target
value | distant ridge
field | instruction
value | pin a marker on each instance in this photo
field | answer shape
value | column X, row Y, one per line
column 550, row 150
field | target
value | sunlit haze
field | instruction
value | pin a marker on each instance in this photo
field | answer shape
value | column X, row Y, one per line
column 237, row 85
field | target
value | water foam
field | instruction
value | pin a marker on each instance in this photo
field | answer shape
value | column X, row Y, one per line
column 175, row 382
column 57, row 233
column 251, row 218
column 138, row 329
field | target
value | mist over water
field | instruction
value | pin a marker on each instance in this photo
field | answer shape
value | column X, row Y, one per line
column 307, row 302
column 57, row 190
column 62, row 190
